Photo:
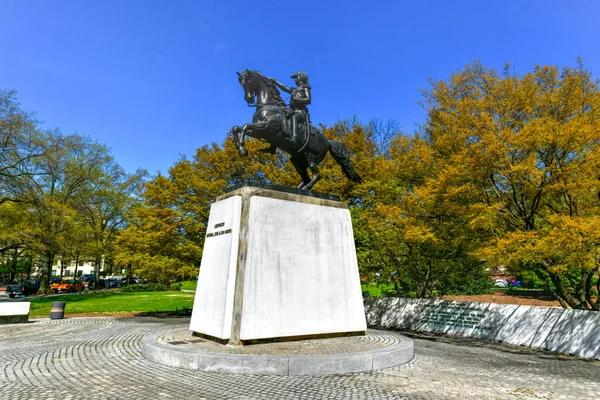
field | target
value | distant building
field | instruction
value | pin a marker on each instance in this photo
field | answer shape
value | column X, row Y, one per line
column 499, row 273
column 84, row 268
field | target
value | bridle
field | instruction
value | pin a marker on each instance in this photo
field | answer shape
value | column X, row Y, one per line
column 251, row 81
column 248, row 80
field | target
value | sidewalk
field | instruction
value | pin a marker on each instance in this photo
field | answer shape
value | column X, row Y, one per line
column 100, row 358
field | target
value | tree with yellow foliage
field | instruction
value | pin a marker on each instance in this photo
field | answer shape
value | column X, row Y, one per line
column 520, row 154
column 424, row 231
column 165, row 233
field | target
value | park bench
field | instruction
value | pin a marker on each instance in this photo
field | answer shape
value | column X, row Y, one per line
column 14, row 313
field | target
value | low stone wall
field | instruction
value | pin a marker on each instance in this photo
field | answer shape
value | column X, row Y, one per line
column 575, row 332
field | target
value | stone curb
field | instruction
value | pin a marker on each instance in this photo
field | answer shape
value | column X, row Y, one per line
column 288, row 365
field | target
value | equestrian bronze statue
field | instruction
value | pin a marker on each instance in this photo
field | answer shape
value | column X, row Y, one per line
column 288, row 128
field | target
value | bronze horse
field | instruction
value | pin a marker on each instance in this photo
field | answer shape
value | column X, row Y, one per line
column 269, row 123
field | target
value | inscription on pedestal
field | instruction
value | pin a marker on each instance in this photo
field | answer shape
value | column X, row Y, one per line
column 218, row 233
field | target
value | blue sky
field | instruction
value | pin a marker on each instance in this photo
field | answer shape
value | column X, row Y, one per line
column 156, row 79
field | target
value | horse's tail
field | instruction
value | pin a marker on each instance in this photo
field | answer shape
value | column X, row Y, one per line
column 340, row 154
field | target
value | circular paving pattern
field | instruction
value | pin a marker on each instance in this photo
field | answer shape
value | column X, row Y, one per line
column 373, row 351
column 374, row 340
column 101, row 358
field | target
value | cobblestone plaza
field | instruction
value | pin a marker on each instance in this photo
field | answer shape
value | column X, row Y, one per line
column 100, row 358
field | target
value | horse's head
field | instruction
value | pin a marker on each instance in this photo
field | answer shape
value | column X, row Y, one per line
column 248, row 81
column 258, row 87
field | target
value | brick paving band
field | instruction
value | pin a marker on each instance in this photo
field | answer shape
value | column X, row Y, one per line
column 101, row 358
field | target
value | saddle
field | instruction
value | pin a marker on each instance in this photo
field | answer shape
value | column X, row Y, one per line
column 286, row 123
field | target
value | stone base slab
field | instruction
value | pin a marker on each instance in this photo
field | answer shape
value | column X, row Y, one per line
column 376, row 350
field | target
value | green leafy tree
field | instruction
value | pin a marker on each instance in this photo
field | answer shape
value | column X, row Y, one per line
column 20, row 144
column 104, row 206
column 66, row 169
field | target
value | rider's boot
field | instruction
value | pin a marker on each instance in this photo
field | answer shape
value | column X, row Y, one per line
column 294, row 136
column 269, row 150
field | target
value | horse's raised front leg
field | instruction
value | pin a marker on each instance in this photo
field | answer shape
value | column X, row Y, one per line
column 254, row 126
column 238, row 136
column 239, row 133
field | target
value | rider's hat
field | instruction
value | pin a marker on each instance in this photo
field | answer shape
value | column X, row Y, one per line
column 300, row 75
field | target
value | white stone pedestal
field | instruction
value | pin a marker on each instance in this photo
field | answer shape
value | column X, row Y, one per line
column 277, row 265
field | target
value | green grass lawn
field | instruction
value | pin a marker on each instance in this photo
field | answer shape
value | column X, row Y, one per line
column 376, row 290
column 189, row 285
column 114, row 302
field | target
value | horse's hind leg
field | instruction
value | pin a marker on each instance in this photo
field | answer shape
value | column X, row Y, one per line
column 316, row 176
column 300, row 166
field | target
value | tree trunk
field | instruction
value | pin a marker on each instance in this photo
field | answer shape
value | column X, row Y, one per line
column 423, row 292
column 565, row 297
column 588, row 291
column 12, row 269
column 46, row 273
column 97, row 273
column 396, row 288
column 29, row 267
column 76, row 265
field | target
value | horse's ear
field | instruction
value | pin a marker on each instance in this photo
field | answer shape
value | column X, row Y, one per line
column 238, row 73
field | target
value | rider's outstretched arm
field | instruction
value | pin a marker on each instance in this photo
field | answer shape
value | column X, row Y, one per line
column 281, row 85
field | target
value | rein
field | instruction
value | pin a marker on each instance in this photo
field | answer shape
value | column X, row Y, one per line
column 263, row 79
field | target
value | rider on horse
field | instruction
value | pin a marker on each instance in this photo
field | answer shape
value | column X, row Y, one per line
column 267, row 125
column 298, row 111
